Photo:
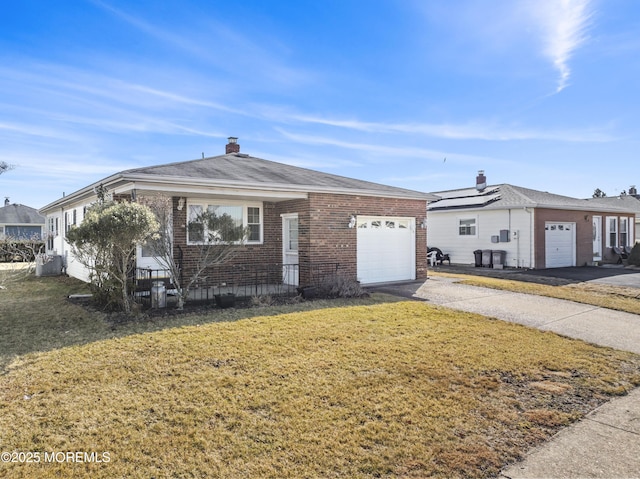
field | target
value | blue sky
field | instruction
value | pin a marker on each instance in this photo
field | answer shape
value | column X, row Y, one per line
column 412, row 93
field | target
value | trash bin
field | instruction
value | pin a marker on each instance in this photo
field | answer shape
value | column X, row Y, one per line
column 498, row 257
column 158, row 295
column 478, row 257
column 486, row 258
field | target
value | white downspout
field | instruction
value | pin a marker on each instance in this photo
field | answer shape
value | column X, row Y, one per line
column 532, row 236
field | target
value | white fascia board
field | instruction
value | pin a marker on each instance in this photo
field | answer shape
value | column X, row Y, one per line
column 270, row 188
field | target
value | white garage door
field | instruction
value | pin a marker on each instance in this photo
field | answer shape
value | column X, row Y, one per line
column 386, row 249
column 560, row 241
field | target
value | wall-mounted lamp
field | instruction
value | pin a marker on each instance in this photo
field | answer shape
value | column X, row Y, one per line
column 352, row 221
column 586, row 217
column 180, row 204
column 423, row 225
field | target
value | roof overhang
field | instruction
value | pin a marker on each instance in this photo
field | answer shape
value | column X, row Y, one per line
column 123, row 183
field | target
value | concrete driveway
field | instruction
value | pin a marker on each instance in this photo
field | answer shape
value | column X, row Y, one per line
column 606, row 443
column 609, row 274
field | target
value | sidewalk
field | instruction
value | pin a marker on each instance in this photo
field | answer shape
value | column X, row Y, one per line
column 606, row 443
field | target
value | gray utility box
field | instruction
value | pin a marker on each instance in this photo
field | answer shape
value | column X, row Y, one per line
column 48, row 265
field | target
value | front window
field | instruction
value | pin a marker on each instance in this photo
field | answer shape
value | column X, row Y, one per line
column 612, row 231
column 209, row 222
column 467, row 227
column 624, row 232
column 254, row 223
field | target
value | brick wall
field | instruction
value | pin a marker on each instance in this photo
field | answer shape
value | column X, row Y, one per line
column 324, row 235
column 330, row 237
column 269, row 252
column 584, row 233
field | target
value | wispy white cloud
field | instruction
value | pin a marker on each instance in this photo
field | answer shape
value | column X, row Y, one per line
column 486, row 130
column 564, row 25
column 384, row 150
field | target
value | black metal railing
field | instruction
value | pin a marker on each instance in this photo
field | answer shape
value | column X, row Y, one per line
column 242, row 280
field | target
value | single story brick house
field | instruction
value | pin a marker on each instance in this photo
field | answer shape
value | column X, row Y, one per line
column 20, row 222
column 535, row 229
column 630, row 201
column 373, row 233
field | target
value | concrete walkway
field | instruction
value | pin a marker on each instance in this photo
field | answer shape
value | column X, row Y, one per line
column 606, row 443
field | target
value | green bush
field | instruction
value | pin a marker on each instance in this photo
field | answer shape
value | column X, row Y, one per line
column 634, row 257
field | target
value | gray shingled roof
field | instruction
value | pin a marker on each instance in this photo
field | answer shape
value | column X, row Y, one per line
column 20, row 214
column 239, row 169
column 627, row 202
column 518, row 197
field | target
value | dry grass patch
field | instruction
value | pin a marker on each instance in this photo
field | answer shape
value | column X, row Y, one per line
column 604, row 296
column 400, row 389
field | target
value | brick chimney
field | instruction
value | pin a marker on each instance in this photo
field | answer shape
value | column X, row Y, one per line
column 481, row 181
column 633, row 191
column 232, row 146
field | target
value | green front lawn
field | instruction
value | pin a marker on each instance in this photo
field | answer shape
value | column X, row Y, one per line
column 361, row 390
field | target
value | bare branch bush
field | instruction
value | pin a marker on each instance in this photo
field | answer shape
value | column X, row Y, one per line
column 214, row 239
column 17, row 259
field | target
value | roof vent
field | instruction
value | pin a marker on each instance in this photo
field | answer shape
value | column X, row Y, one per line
column 6, row 201
column 232, row 146
column 481, row 181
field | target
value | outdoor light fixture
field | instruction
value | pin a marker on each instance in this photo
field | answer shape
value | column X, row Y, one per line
column 423, row 225
column 352, row 221
column 180, row 204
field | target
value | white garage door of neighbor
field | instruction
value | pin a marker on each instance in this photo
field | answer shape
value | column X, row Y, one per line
column 560, row 244
column 386, row 249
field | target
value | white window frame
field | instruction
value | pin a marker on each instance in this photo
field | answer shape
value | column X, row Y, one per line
column 205, row 203
column 474, row 226
column 612, row 220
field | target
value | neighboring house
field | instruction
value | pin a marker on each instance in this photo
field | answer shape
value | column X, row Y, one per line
column 374, row 233
column 535, row 229
column 630, row 201
column 20, row 222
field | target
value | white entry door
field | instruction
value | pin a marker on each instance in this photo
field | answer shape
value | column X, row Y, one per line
column 290, row 249
column 560, row 244
column 597, row 238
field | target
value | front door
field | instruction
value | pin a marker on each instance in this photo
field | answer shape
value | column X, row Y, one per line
column 290, row 249
column 597, row 238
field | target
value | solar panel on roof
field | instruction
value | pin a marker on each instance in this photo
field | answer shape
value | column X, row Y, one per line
column 467, row 201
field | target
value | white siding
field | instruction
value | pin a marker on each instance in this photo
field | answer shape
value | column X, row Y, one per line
column 443, row 233
column 60, row 245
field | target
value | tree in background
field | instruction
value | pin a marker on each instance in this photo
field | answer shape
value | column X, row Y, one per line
column 216, row 239
column 105, row 243
column 4, row 167
column 598, row 193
